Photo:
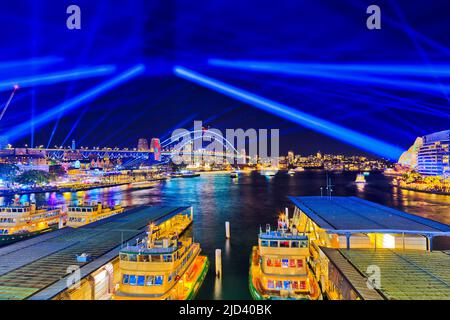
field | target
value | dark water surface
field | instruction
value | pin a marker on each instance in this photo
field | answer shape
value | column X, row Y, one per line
column 248, row 202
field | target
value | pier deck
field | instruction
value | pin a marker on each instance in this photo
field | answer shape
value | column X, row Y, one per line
column 36, row 268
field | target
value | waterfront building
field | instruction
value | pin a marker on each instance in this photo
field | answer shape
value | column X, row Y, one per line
column 349, row 236
column 434, row 154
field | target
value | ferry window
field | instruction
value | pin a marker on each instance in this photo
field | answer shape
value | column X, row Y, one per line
column 123, row 257
column 156, row 258
column 170, row 278
column 144, row 258
column 150, row 280
column 141, row 280
column 304, row 244
column 264, row 243
column 284, row 244
column 270, row 284
column 294, row 244
column 132, row 280
column 269, row 262
column 292, row 263
column 167, row 258
column 277, row 263
column 299, row 263
column 278, row 285
column 132, row 257
column 158, row 280
column 295, row 285
column 285, row 263
column 302, row 285
column 274, row 244
column 287, row 285
column 125, row 279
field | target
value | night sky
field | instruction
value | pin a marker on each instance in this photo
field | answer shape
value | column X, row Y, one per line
column 161, row 34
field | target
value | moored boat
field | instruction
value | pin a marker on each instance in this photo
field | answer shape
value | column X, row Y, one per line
column 79, row 215
column 360, row 178
column 279, row 265
column 19, row 222
column 166, row 265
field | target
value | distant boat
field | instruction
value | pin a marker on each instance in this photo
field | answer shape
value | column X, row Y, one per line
column 360, row 178
column 291, row 172
column 184, row 174
column 234, row 174
column 268, row 172
column 299, row 169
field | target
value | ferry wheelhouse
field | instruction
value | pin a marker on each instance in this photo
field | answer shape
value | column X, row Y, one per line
column 18, row 222
column 80, row 215
column 279, row 265
column 166, row 265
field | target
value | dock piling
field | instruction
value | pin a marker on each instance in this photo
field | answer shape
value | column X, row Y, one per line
column 218, row 263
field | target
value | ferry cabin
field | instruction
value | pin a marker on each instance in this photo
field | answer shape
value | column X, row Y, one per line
column 24, row 219
column 284, row 262
column 158, row 272
column 81, row 215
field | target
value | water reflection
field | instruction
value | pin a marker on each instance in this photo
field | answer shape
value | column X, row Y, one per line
column 248, row 202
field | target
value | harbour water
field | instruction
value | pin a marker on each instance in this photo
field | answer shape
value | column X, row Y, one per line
column 248, row 202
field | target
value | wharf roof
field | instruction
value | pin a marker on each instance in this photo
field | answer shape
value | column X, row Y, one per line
column 37, row 268
column 404, row 275
column 352, row 214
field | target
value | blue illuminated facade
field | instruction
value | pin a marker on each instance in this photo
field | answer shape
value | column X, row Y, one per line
column 434, row 155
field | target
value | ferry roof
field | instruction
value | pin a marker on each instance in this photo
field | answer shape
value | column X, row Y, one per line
column 37, row 268
column 352, row 214
column 405, row 275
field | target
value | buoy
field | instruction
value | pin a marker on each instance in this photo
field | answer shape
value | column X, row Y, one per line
column 227, row 229
column 218, row 263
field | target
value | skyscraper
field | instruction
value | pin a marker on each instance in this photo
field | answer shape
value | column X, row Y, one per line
column 155, row 146
column 434, row 154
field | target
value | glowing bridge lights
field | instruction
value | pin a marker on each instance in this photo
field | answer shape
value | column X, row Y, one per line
column 83, row 98
column 323, row 126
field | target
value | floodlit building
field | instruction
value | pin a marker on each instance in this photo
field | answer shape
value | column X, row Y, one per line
column 434, row 154
column 142, row 145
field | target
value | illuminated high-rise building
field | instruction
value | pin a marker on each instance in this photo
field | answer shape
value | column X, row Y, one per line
column 155, row 147
column 434, row 154
column 142, row 145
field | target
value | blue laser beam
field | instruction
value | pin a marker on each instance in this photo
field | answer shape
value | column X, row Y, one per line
column 34, row 62
column 391, row 69
column 51, row 78
column 329, row 74
column 90, row 95
column 349, row 136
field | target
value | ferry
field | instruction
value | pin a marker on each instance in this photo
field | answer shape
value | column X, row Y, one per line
column 79, row 215
column 269, row 172
column 166, row 265
column 279, row 267
column 185, row 174
column 299, row 169
column 291, row 172
column 19, row 222
column 360, row 178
